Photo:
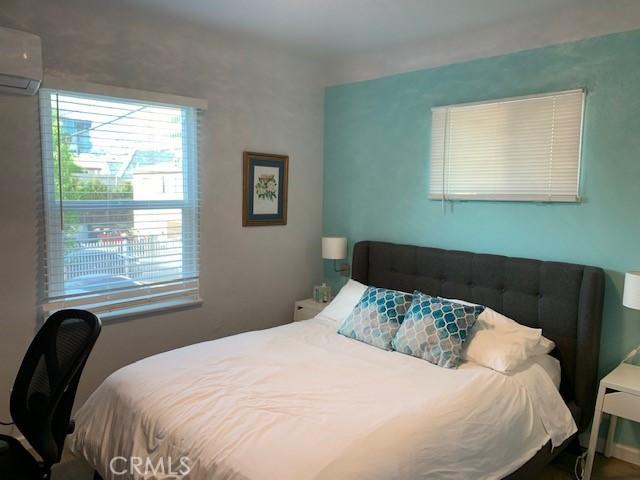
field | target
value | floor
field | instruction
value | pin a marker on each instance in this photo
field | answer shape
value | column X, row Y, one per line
column 73, row 468
column 603, row 469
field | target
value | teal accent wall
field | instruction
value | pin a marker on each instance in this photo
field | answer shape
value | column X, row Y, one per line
column 376, row 169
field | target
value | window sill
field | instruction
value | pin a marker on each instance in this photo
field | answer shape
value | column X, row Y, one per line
column 144, row 310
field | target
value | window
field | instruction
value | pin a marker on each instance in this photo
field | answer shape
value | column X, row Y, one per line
column 518, row 149
column 121, row 203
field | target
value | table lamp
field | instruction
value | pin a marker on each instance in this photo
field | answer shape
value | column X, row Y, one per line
column 631, row 299
column 335, row 248
column 631, row 296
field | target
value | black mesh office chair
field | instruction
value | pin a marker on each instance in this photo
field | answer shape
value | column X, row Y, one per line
column 44, row 391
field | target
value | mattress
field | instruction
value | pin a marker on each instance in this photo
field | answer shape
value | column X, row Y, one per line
column 302, row 402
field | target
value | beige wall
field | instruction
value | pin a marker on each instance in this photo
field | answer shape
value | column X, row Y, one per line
column 261, row 98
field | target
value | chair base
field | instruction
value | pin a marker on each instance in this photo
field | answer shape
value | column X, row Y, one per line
column 16, row 463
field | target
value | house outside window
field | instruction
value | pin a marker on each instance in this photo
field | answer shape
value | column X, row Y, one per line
column 78, row 134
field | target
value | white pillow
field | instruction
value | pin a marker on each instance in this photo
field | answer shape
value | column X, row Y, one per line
column 462, row 302
column 345, row 301
column 502, row 344
column 551, row 366
column 545, row 346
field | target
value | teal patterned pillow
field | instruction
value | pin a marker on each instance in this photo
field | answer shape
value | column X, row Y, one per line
column 435, row 329
column 377, row 317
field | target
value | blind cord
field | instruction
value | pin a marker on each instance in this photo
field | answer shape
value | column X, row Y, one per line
column 444, row 162
column 60, row 188
column 553, row 137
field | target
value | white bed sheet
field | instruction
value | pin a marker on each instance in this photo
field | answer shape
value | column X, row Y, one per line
column 301, row 402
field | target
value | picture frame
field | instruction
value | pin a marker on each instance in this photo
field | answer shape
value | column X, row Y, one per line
column 265, row 184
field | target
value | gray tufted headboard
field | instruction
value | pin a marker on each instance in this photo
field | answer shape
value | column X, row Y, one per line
column 563, row 299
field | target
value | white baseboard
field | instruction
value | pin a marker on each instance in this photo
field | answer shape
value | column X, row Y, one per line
column 618, row 450
column 626, row 453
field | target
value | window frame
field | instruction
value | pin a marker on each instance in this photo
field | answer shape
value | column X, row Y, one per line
column 52, row 298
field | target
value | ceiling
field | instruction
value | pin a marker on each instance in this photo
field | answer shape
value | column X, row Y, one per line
column 344, row 30
column 351, row 26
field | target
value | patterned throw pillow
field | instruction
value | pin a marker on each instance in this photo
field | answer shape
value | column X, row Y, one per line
column 435, row 329
column 377, row 317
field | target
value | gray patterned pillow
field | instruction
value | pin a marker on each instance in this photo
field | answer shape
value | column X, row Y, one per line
column 435, row 329
column 377, row 317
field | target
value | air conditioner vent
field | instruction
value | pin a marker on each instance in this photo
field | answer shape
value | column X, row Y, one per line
column 20, row 62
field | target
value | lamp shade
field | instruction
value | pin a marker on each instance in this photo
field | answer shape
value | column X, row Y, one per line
column 631, row 296
column 334, row 248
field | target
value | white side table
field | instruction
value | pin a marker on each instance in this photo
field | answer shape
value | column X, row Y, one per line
column 306, row 309
column 619, row 396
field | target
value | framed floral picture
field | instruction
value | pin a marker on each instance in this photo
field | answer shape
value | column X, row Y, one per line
column 264, row 191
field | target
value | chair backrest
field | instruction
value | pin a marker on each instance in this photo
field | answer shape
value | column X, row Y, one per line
column 45, row 387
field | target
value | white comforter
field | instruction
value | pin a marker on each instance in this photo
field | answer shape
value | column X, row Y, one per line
column 301, row 402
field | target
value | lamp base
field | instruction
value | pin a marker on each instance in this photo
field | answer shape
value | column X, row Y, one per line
column 633, row 358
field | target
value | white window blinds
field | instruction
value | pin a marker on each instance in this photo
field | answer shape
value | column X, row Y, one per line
column 518, row 149
column 121, row 203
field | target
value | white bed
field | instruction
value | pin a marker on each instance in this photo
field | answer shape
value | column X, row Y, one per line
column 302, row 402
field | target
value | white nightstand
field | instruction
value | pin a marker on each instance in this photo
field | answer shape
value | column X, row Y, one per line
column 307, row 308
column 619, row 396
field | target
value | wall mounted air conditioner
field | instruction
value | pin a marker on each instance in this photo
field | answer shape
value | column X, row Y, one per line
column 20, row 62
